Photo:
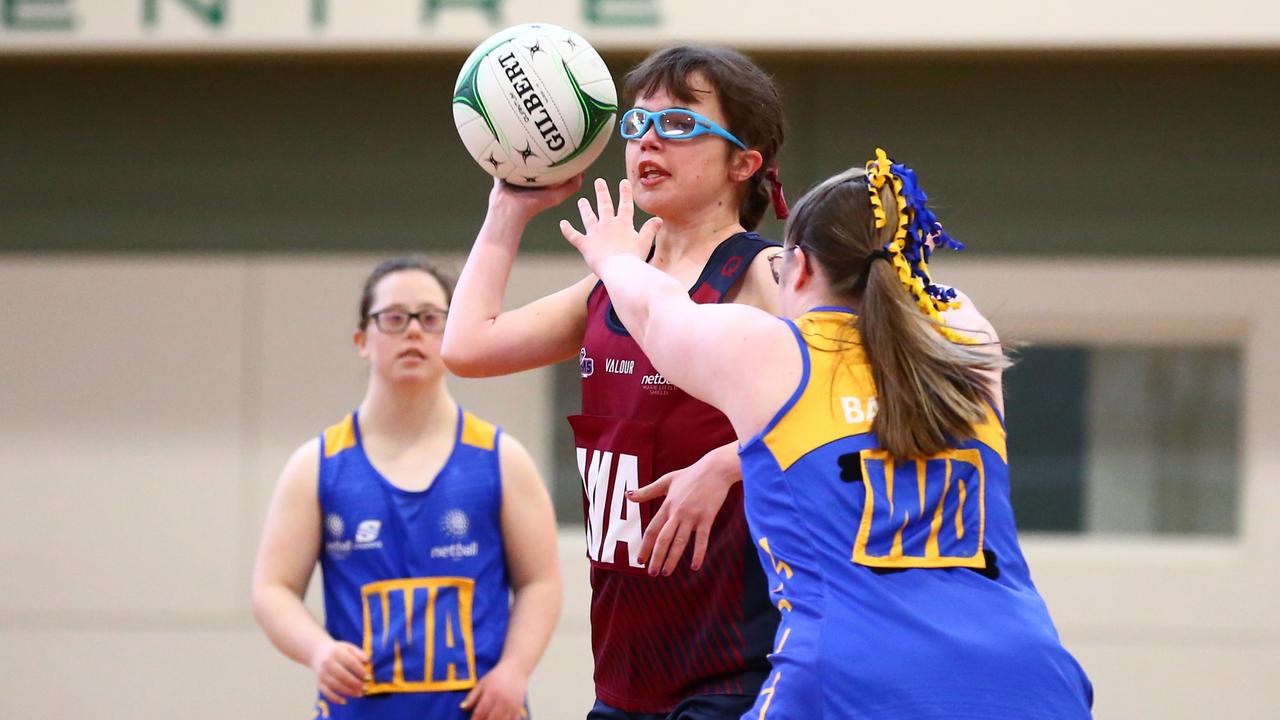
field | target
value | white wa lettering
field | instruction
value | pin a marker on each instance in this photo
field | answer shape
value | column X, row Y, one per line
column 624, row 515
column 599, row 466
column 600, row 485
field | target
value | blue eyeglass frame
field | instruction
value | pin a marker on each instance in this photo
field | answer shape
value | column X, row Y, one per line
column 701, row 125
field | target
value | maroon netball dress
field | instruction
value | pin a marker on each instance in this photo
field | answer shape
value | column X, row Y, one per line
column 659, row 640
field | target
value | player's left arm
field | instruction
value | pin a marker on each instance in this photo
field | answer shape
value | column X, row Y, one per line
column 533, row 563
column 970, row 322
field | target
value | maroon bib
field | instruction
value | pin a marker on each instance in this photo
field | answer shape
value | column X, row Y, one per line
column 659, row 640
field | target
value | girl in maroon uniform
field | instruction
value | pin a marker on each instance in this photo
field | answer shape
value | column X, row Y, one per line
column 669, row 641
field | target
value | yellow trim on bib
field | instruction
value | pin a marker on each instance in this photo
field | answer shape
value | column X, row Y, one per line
column 339, row 436
column 478, row 433
column 839, row 399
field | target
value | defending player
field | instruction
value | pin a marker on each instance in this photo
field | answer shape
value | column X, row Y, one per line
column 424, row 518
column 874, row 461
column 701, row 147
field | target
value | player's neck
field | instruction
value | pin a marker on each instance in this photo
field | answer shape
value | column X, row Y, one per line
column 405, row 413
column 816, row 297
column 698, row 231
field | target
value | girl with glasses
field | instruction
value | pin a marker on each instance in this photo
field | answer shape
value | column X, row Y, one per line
column 670, row 639
column 425, row 520
column 874, row 460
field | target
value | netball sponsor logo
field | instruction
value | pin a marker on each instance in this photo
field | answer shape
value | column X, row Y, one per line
column 337, row 548
column 586, row 365
column 455, row 551
column 334, row 525
column 455, row 524
column 656, row 384
column 367, row 535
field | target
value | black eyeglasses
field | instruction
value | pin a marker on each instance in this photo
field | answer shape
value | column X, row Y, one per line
column 774, row 258
column 395, row 321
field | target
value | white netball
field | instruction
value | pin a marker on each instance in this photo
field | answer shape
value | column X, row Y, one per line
column 534, row 104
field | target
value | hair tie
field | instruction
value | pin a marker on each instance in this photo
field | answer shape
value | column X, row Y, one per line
column 865, row 275
column 916, row 231
column 779, row 201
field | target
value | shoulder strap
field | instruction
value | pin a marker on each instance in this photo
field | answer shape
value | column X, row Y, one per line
column 727, row 264
column 730, row 261
column 339, row 438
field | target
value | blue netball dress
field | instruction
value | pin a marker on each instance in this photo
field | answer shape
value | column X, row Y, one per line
column 417, row 579
column 902, row 588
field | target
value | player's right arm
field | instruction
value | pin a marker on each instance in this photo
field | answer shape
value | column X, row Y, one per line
column 480, row 340
column 286, row 557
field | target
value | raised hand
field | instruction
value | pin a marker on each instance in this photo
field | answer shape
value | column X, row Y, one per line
column 606, row 232
column 527, row 202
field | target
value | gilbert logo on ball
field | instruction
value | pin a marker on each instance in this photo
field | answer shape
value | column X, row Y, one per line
column 534, row 104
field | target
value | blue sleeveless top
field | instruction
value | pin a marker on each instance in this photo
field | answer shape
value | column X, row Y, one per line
column 417, row 579
column 902, row 588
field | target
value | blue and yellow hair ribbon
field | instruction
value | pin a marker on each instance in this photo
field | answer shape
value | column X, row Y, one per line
column 914, row 227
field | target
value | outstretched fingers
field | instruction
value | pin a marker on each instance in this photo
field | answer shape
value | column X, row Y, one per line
column 571, row 234
column 589, row 219
column 626, row 208
column 604, row 201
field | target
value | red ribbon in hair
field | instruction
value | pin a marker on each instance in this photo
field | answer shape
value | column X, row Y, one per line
column 779, row 201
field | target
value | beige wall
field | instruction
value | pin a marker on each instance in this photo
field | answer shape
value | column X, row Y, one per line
column 289, row 25
column 149, row 403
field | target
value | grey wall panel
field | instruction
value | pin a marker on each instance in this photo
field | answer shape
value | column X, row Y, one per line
column 1022, row 154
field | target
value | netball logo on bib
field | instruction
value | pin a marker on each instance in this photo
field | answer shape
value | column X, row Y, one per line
column 455, row 524
column 656, row 384
column 337, row 548
column 334, row 525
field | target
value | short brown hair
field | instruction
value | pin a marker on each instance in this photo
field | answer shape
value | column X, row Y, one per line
column 395, row 265
column 751, row 102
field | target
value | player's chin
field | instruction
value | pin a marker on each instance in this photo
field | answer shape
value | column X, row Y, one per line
column 656, row 200
column 416, row 372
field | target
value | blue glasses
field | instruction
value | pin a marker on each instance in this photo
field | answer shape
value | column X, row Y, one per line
column 672, row 124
